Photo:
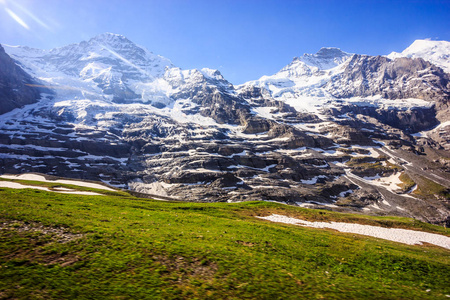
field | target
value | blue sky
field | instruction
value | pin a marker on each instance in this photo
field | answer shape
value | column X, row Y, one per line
column 244, row 39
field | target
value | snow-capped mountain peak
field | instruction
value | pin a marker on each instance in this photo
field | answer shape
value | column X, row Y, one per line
column 108, row 64
column 326, row 58
column 309, row 70
column 117, row 44
column 330, row 52
column 107, row 48
column 436, row 52
column 110, row 38
column 314, row 64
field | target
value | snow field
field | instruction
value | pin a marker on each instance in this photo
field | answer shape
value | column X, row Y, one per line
column 35, row 177
column 15, row 185
column 405, row 236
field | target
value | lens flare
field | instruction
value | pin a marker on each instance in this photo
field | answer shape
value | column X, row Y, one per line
column 17, row 18
column 126, row 60
column 31, row 15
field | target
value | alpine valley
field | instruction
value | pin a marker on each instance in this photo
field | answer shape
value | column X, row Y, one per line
column 334, row 130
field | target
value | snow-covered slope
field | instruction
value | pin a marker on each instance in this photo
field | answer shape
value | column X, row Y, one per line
column 109, row 49
column 332, row 78
column 308, row 70
column 299, row 83
column 311, row 133
column 326, row 58
column 436, row 52
column 108, row 66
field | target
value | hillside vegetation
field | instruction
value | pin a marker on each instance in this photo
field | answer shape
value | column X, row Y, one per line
column 116, row 246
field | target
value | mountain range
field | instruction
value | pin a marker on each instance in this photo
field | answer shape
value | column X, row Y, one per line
column 334, row 130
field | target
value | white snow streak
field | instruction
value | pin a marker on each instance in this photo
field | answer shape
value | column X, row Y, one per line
column 35, row 177
column 405, row 236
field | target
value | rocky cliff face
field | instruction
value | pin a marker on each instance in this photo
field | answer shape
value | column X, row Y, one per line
column 330, row 130
column 17, row 88
column 401, row 78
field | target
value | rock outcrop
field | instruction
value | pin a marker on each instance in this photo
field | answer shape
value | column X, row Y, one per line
column 17, row 88
column 401, row 78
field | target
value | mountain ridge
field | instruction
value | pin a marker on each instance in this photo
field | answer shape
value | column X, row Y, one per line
column 16, row 86
column 436, row 52
column 328, row 130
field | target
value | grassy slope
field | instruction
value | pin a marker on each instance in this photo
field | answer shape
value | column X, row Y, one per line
column 142, row 249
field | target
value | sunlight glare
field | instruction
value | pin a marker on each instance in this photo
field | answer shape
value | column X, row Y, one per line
column 17, row 18
column 126, row 61
column 31, row 15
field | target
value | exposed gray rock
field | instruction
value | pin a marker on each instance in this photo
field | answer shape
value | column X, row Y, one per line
column 411, row 120
column 17, row 88
column 400, row 78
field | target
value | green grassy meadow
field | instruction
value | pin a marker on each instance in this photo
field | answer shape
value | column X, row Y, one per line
column 116, row 246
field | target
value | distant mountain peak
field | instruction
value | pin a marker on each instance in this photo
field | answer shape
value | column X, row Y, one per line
column 109, row 35
column 436, row 52
column 325, row 58
column 329, row 52
column 427, row 43
column 110, row 38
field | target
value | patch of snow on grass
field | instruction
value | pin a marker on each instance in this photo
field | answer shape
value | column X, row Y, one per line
column 15, row 185
column 405, row 236
column 35, row 177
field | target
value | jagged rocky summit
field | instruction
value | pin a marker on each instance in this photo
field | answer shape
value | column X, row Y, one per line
column 334, row 130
